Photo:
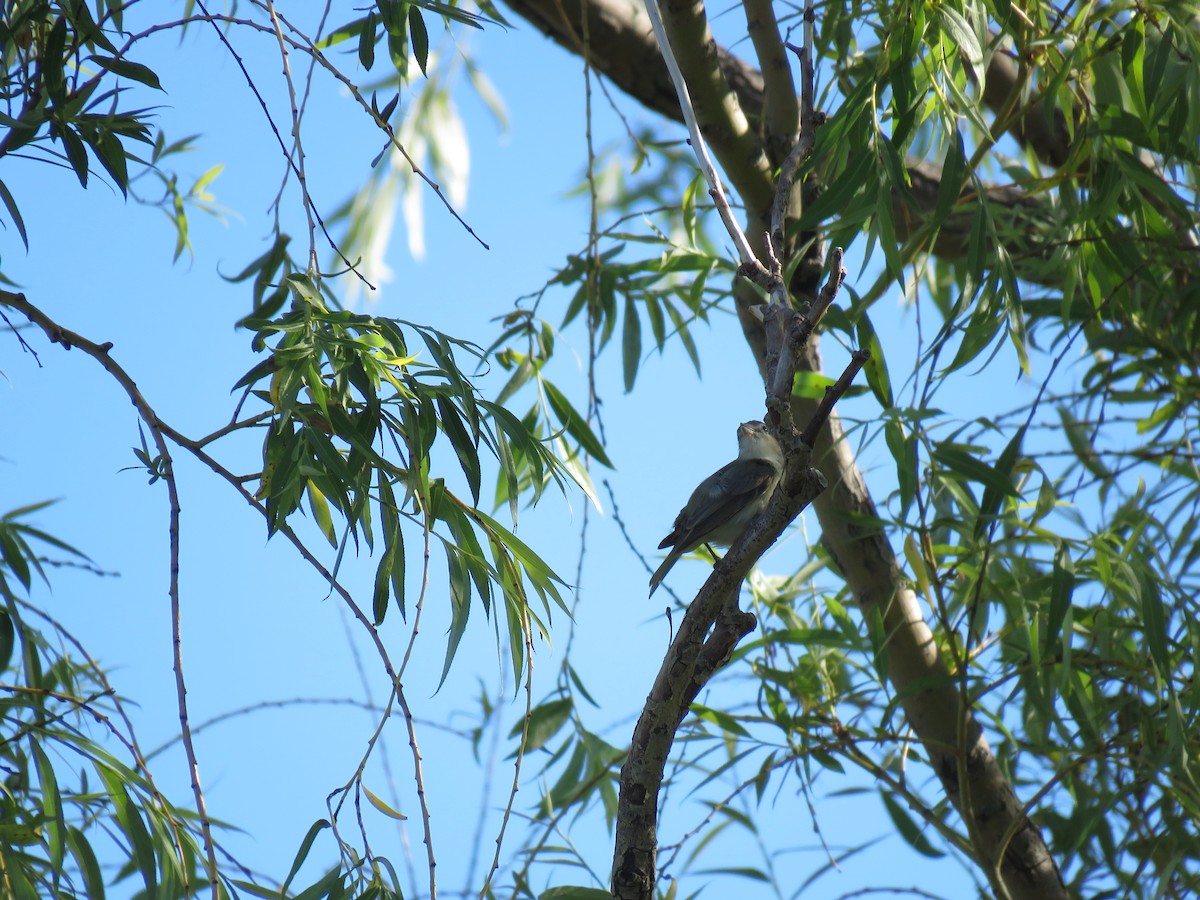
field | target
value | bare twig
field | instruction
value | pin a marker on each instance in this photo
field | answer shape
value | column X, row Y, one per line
column 298, row 158
column 516, row 782
column 21, row 340
column 308, row 201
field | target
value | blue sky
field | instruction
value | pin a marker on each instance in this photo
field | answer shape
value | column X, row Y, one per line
column 258, row 625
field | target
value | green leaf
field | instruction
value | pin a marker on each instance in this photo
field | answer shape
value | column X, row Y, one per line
column 52, row 62
column 132, row 826
column 685, row 336
column 128, row 69
column 631, row 343
column 1081, row 444
column 575, row 424
column 1062, row 587
column 571, row 892
column 903, row 446
column 460, row 608
column 974, row 469
column 811, row 385
column 302, row 854
column 8, row 639
column 1154, row 622
column 545, row 720
column 722, row 720
column 950, row 186
column 453, row 12
column 320, row 510
column 85, row 859
column 13, row 554
column 963, row 36
column 53, row 821
column 76, row 153
column 11, row 205
column 419, row 37
column 989, row 505
column 466, row 449
column 111, row 153
column 876, row 368
column 366, row 41
column 909, row 829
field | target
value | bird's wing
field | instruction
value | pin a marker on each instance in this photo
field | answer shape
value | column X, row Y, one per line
column 724, row 494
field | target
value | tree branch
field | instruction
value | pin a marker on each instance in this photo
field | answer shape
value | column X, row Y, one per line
column 696, row 654
column 781, row 119
column 100, row 352
column 718, row 110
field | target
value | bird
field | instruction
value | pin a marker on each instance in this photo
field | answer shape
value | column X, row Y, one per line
column 724, row 503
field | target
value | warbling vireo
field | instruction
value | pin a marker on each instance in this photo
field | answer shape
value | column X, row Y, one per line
column 725, row 502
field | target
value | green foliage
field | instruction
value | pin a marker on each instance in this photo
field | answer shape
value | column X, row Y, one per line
column 1053, row 542
column 58, row 60
column 75, row 782
column 355, row 417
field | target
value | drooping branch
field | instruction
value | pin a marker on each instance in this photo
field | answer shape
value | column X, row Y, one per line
column 164, row 469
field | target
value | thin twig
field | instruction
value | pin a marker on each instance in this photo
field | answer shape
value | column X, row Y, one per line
column 833, row 393
column 21, row 340
column 100, row 352
column 298, row 159
column 516, row 782
column 308, row 201
column 310, row 47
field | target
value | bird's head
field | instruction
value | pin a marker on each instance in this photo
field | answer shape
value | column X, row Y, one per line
column 755, row 442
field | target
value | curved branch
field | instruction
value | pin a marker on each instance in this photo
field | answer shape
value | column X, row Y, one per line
column 100, row 352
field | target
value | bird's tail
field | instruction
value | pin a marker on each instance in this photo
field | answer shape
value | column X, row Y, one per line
column 661, row 572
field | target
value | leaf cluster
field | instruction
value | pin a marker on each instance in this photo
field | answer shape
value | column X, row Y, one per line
column 357, row 413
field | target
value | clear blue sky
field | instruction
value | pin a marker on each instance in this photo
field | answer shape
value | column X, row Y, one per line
column 257, row 623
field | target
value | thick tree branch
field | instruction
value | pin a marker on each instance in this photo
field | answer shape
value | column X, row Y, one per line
column 720, row 115
column 624, row 50
column 781, row 120
column 927, row 691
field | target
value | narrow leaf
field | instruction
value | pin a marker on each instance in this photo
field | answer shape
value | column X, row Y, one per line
column 11, row 205
column 575, row 424
column 128, row 69
column 381, row 806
